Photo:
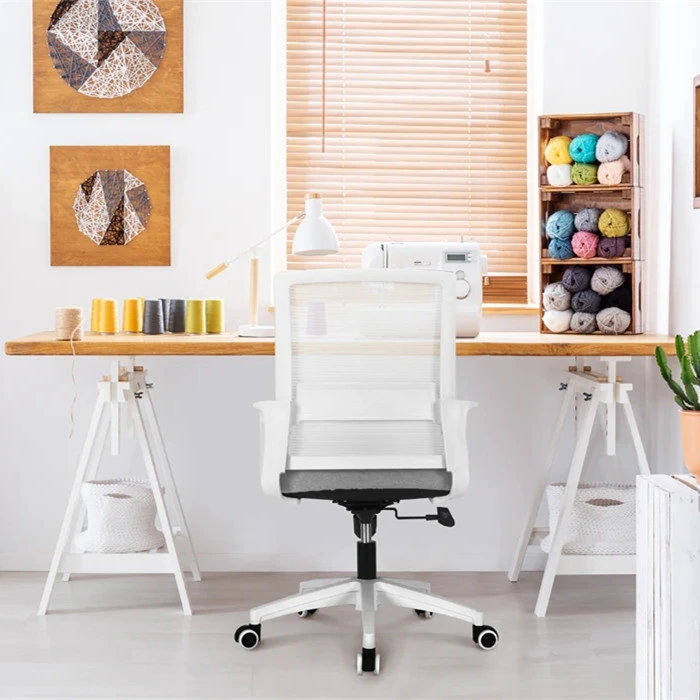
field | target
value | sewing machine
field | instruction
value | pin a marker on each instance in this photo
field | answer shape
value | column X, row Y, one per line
column 464, row 259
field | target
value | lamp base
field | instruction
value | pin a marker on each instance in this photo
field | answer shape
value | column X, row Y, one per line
column 246, row 331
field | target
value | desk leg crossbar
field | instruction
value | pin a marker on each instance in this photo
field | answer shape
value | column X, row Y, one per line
column 594, row 391
column 128, row 387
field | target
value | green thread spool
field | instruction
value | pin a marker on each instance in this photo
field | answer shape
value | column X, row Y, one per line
column 196, row 318
column 215, row 315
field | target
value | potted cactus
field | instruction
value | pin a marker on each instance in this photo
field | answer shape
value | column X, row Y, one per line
column 686, row 396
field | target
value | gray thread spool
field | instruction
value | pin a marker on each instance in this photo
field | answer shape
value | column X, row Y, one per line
column 176, row 315
column 165, row 303
column 153, row 317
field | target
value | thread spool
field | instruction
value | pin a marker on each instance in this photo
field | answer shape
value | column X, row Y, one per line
column 576, row 278
column 95, row 315
column 69, row 323
column 109, row 316
column 153, row 317
column 196, row 318
column 214, row 311
column 176, row 316
column 132, row 316
column 165, row 304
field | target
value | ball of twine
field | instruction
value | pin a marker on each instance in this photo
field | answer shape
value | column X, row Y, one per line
column 556, row 297
column 620, row 297
column 612, row 247
column 613, row 223
column 587, row 219
column 560, row 224
column 585, row 244
column 559, row 175
column 557, row 321
column 69, row 323
column 588, row 301
column 584, row 174
column 583, row 322
column 613, row 321
column 611, row 146
column 606, row 279
column 557, row 150
column 582, row 148
column 560, row 249
column 576, row 278
column 611, row 173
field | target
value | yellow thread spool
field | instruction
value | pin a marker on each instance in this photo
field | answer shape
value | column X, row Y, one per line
column 215, row 315
column 132, row 317
column 95, row 315
column 196, row 318
column 109, row 316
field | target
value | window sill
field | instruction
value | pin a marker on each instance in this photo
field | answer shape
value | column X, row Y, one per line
column 493, row 309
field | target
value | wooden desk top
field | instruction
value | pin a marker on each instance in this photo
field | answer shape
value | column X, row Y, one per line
column 493, row 343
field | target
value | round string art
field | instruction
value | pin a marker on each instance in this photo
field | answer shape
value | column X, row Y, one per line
column 106, row 48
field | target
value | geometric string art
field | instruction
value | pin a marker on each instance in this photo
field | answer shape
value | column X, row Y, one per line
column 112, row 207
column 106, row 48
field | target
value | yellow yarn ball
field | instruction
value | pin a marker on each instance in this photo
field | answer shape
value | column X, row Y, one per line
column 614, row 223
column 557, row 150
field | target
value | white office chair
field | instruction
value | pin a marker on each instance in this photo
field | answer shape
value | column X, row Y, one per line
column 365, row 416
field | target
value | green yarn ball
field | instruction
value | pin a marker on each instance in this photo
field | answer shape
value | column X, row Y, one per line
column 584, row 173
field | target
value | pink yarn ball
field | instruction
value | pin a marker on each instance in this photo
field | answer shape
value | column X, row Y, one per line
column 585, row 244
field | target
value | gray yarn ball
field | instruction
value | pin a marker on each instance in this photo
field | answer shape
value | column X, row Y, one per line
column 606, row 279
column 587, row 219
column 587, row 301
column 611, row 146
column 582, row 322
column 613, row 321
column 576, row 278
column 556, row 297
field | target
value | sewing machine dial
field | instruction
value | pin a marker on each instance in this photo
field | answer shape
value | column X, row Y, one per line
column 463, row 287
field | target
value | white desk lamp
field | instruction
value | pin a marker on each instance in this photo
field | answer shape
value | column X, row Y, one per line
column 314, row 236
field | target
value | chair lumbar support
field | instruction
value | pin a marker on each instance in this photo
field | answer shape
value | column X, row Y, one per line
column 443, row 516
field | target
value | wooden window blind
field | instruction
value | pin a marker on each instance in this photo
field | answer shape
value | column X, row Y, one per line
column 410, row 118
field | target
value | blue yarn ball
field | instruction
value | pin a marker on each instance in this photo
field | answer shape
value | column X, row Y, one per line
column 582, row 148
column 560, row 225
column 560, row 249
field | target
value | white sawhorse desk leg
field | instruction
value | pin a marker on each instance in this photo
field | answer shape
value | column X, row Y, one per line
column 128, row 387
column 593, row 390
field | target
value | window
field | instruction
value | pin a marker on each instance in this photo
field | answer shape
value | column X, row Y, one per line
column 410, row 118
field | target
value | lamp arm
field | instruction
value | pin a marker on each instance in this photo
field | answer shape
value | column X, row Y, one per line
column 227, row 263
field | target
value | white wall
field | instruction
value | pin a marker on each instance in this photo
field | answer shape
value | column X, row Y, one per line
column 220, row 181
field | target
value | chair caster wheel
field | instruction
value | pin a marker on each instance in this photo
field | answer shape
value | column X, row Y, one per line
column 307, row 613
column 427, row 614
column 368, row 660
column 484, row 636
column 248, row 636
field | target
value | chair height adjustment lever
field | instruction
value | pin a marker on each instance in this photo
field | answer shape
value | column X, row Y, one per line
column 443, row 516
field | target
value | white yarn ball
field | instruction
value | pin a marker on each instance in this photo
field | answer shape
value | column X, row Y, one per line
column 559, row 175
column 607, row 279
column 613, row 321
column 556, row 297
column 557, row 321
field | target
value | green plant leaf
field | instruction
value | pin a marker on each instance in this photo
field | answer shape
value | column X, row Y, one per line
column 694, row 352
column 687, row 377
column 662, row 362
column 681, row 404
column 680, row 348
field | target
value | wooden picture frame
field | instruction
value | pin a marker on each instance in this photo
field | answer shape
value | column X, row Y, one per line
column 71, row 166
column 696, row 111
column 162, row 92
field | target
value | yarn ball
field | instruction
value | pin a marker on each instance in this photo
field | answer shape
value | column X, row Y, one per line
column 560, row 225
column 557, row 321
column 613, row 223
column 613, row 321
column 611, row 173
column 583, row 322
column 585, row 244
column 582, row 148
column 587, row 219
column 612, row 247
column 611, row 146
column 606, row 279
column 556, row 297
column 560, row 249
column 588, row 301
column 620, row 297
column 576, row 278
column 557, row 150
column 584, row 173
column 559, row 175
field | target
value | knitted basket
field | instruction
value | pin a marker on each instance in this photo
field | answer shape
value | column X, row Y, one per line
column 121, row 517
column 602, row 520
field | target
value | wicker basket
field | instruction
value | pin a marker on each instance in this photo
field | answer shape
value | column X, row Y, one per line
column 121, row 517
column 602, row 521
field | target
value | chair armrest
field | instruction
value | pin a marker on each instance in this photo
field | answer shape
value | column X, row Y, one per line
column 454, row 413
column 274, row 424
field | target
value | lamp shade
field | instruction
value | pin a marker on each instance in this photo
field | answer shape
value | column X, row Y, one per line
column 315, row 235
